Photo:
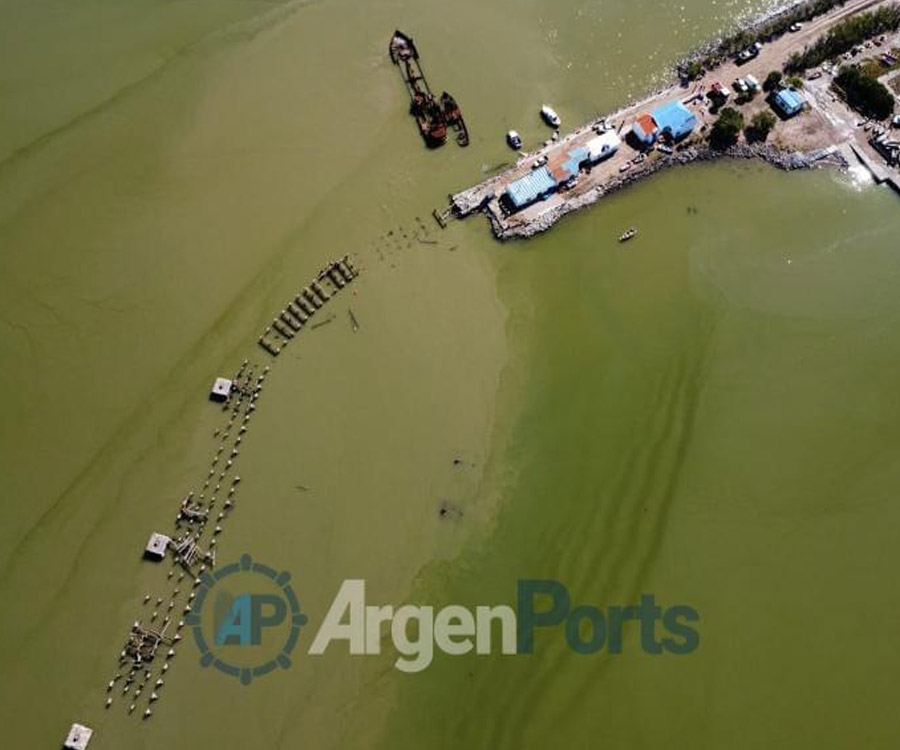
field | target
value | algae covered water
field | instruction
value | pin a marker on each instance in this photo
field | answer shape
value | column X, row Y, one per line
column 706, row 414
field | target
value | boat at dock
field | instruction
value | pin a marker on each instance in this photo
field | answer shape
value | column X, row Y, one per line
column 550, row 116
column 434, row 116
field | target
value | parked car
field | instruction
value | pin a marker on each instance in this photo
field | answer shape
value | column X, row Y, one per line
column 740, row 85
column 796, row 27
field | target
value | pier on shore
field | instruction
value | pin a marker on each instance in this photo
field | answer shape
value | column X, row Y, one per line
column 824, row 133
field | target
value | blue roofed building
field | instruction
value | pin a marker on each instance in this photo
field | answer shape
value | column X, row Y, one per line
column 789, row 101
column 674, row 120
column 536, row 185
column 564, row 167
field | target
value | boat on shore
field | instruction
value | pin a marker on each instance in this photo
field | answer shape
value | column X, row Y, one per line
column 434, row 116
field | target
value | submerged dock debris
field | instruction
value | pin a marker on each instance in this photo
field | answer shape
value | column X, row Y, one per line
column 299, row 311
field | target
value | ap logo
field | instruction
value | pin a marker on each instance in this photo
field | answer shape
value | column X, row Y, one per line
column 246, row 619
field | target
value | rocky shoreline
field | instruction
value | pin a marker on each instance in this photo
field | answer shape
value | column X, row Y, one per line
column 778, row 158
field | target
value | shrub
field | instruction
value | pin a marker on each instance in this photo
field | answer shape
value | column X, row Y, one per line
column 772, row 80
column 727, row 128
column 760, row 126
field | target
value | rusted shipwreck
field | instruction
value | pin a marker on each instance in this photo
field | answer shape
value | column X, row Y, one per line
column 434, row 116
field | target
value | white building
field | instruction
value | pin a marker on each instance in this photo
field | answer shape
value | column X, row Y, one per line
column 156, row 546
column 78, row 738
column 221, row 389
column 603, row 146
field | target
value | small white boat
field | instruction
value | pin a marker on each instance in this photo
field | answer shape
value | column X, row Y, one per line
column 628, row 234
column 514, row 140
column 550, row 116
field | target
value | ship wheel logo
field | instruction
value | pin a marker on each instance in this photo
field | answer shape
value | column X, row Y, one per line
column 246, row 619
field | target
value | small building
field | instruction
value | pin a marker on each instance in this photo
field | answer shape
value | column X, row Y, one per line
column 789, row 101
column 645, row 129
column 221, row 390
column 156, row 547
column 674, row 120
column 603, row 146
column 78, row 737
column 531, row 188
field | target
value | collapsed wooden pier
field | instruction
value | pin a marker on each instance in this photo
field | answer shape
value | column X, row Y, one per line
column 302, row 308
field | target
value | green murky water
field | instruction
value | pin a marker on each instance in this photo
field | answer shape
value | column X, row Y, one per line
column 707, row 414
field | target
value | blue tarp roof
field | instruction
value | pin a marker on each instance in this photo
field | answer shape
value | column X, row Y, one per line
column 789, row 100
column 575, row 157
column 529, row 188
column 675, row 118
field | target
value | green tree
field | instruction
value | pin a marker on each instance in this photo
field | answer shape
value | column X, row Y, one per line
column 864, row 94
column 845, row 36
column 772, row 80
column 727, row 128
column 760, row 126
column 692, row 70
